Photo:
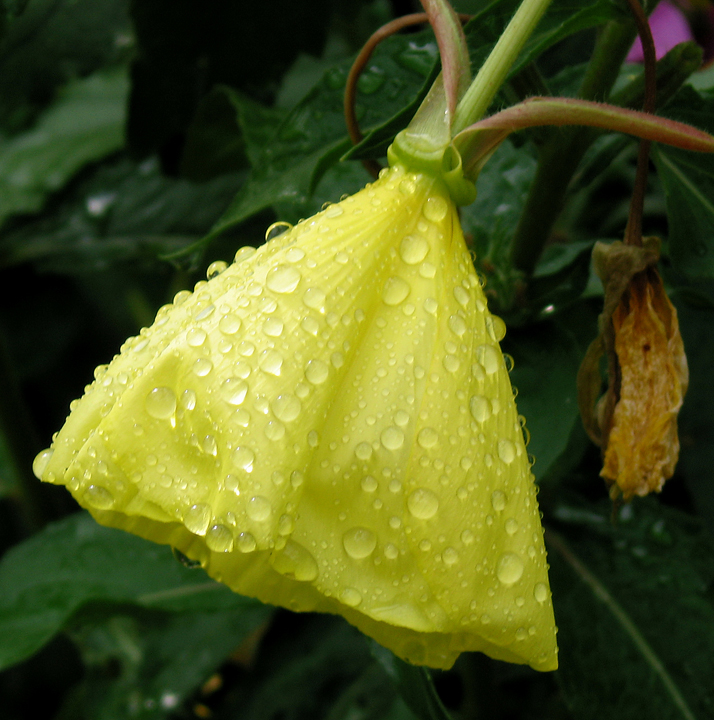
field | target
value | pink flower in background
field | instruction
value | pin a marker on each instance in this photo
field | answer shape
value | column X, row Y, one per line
column 669, row 28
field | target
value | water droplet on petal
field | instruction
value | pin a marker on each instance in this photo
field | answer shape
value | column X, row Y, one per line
column 316, row 372
column 273, row 327
column 244, row 457
column 457, row 325
column 197, row 519
column 160, row 403
column 215, row 269
column 219, row 539
column 506, row 451
column 395, row 291
column 202, row 367
column 435, row 209
column 422, row 503
column 296, row 562
column 391, row 551
column 496, row 327
column 511, row 526
column 487, row 356
column 369, row 484
column 98, row 497
column 540, row 592
column 314, row 298
column 246, row 542
column 392, row 438
column 498, row 500
column 271, row 361
column 286, row 407
column 233, row 391
column 509, row 568
column 195, row 337
column 351, row 597
column 450, row 556
column 462, row 297
column 427, row 438
column 413, row 249
column 283, row 279
column 276, row 229
column 259, row 508
column 480, row 408
column 39, row 464
column 286, row 524
column 359, row 542
column 363, row 451
column 229, row 324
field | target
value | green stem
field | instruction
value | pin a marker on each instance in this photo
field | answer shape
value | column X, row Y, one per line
column 562, row 154
column 493, row 72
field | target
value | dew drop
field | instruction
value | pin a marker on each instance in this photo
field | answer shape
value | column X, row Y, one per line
column 392, row 438
column 274, row 430
column 286, row 407
column 273, row 327
column 506, row 451
column 391, row 551
column 286, row 524
column 435, row 209
column 296, row 478
column 457, row 325
column 98, row 497
column 363, row 451
column 509, row 568
column 160, row 403
column 451, row 363
column 359, row 542
column 316, row 372
column 427, row 438
column 395, row 291
column 244, row 457
column 430, row 305
column 480, row 408
column 350, row 597
column 496, row 327
column 246, row 542
column 282, row 279
column 229, row 324
column 195, row 337
column 188, row 400
column 219, row 539
column 314, row 298
column 274, row 230
column 271, row 361
column 450, row 556
column 369, row 484
column 498, row 500
column 487, row 356
column 233, row 391
column 540, row 592
column 202, row 367
column 39, row 464
column 511, row 526
column 294, row 254
column 467, row 537
column 296, row 562
column 462, row 297
column 422, row 503
column 215, row 269
column 197, row 519
column 259, row 508
column 413, row 249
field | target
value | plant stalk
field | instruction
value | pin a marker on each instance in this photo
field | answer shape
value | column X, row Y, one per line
column 493, row 72
column 561, row 155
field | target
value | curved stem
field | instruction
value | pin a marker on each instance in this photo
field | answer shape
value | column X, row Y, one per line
column 633, row 231
column 494, row 71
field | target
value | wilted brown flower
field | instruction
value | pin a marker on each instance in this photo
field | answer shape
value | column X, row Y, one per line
column 635, row 422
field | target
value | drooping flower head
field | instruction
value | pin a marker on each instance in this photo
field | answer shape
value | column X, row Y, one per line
column 328, row 424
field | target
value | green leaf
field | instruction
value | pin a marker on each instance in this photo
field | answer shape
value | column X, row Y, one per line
column 688, row 182
column 414, row 683
column 52, row 43
column 48, row 578
column 123, row 212
column 547, row 356
column 634, row 608
column 161, row 658
column 313, row 137
column 85, row 124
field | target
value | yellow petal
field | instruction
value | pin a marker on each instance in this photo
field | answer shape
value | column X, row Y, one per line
column 329, row 425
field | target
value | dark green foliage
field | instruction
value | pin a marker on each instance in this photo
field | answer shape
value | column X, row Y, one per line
column 138, row 142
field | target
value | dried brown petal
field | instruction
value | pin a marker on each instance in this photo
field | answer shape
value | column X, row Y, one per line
column 642, row 445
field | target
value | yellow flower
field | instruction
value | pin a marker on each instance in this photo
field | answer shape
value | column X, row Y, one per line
column 328, row 424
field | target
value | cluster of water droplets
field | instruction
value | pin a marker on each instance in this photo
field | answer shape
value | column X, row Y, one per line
column 338, row 402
